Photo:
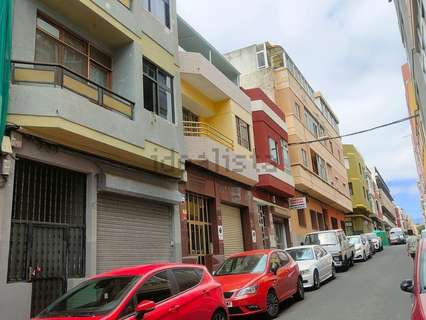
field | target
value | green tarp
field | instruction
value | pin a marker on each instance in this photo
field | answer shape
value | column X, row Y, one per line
column 5, row 55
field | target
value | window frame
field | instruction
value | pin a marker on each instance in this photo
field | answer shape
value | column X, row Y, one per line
column 159, row 86
column 168, row 14
column 301, row 213
column 187, row 268
column 271, row 148
column 286, row 156
column 239, row 121
column 87, row 53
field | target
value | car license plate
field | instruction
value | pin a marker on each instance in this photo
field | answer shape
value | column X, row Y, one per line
column 229, row 304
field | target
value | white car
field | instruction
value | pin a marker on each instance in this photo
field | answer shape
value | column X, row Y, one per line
column 315, row 264
column 362, row 247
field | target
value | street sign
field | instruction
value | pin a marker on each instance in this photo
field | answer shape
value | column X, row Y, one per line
column 297, row 203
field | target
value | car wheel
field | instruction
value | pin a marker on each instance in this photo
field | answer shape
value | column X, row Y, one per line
column 317, row 283
column 333, row 271
column 272, row 305
column 351, row 261
column 345, row 265
column 300, row 294
column 219, row 315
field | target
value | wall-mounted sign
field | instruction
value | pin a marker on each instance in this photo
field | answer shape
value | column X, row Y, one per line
column 220, row 232
column 297, row 203
column 253, row 236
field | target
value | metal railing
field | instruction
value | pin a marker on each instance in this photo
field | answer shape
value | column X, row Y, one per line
column 199, row 129
column 61, row 76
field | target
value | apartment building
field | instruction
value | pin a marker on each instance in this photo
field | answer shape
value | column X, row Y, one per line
column 376, row 215
column 276, row 185
column 385, row 200
column 95, row 127
column 359, row 221
column 412, row 22
column 218, row 216
column 317, row 167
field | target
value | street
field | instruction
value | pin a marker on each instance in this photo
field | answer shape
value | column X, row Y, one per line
column 368, row 291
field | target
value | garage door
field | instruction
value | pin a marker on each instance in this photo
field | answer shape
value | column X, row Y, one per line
column 131, row 231
column 232, row 230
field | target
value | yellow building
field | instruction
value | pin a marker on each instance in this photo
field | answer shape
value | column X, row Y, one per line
column 358, row 175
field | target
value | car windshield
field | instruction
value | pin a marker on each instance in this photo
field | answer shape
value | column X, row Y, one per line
column 324, row 238
column 301, row 254
column 243, row 264
column 93, row 297
column 396, row 233
column 354, row 240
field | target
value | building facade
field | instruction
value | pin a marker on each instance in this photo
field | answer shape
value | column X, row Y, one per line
column 218, row 217
column 359, row 221
column 95, row 128
column 412, row 23
column 318, row 167
column 276, row 185
column 385, row 200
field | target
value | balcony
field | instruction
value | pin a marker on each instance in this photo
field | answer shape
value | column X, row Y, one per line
column 310, row 183
column 58, row 76
column 212, row 150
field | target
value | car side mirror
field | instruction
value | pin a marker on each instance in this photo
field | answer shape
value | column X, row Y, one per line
column 214, row 273
column 274, row 268
column 407, row 286
column 144, row 307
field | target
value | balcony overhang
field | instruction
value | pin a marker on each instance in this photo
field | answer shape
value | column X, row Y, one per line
column 61, row 131
column 206, row 78
column 275, row 186
column 94, row 20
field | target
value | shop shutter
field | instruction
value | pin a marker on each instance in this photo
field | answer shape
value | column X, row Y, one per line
column 232, row 230
column 132, row 231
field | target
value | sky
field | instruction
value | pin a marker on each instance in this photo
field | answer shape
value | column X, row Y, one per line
column 349, row 50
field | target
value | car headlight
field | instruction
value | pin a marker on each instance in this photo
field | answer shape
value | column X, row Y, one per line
column 305, row 272
column 247, row 291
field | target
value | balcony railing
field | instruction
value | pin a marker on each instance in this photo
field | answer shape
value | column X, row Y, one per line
column 57, row 75
column 201, row 129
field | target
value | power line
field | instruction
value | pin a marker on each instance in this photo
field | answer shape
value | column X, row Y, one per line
column 357, row 132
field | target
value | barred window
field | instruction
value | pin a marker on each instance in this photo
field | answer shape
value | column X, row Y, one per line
column 243, row 133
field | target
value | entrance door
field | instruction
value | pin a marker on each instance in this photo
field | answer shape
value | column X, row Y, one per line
column 233, row 240
column 280, row 235
column 47, row 229
column 48, row 253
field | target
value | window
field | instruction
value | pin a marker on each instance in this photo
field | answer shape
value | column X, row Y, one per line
column 351, row 189
column 304, row 157
column 297, row 110
column 364, row 192
column 318, row 253
column 301, row 217
column 243, row 133
column 319, row 165
column 312, row 124
column 320, row 219
column 331, row 147
column 274, row 259
column 286, row 157
column 334, row 223
column 158, row 288
column 314, row 221
column 273, row 150
column 160, row 9
column 261, row 56
column 187, row 278
column 56, row 45
column 284, row 259
column 158, row 91
column 347, row 165
column 360, row 169
column 342, row 224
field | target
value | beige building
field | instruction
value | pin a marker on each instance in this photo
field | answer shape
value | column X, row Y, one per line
column 318, row 168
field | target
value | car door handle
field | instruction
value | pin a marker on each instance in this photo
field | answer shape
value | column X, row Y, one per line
column 174, row 308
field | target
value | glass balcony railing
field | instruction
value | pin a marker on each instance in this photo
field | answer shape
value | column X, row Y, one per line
column 59, row 76
column 201, row 129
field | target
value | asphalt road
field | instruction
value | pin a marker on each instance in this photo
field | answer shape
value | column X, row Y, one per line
column 369, row 290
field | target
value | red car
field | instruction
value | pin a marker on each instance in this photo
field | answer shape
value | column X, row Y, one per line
column 149, row 292
column 418, row 284
column 257, row 281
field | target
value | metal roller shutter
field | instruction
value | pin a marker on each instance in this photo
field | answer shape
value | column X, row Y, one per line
column 131, row 231
column 232, row 230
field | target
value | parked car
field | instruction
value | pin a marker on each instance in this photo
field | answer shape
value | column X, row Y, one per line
column 336, row 243
column 362, row 247
column 376, row 240
column 417, row 285
column 257, row 281
column 315, row 264
column 396, row 236
column 151, row 292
